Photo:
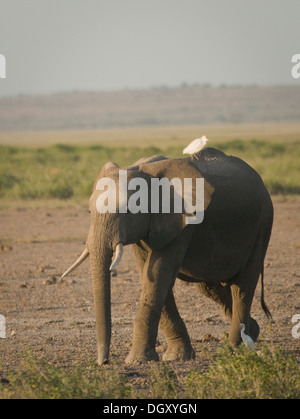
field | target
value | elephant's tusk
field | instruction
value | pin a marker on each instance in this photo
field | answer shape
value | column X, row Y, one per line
column 77, row 263
column 119, row 254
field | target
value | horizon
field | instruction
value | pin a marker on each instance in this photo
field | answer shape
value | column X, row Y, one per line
column 182, row 85
column 161, row 106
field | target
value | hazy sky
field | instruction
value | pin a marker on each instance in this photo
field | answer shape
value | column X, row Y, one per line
column 65, row 45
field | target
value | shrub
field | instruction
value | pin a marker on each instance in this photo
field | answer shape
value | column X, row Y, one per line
column 164, row 382
column 244, row 374
column 239, row 374
column 37, row 379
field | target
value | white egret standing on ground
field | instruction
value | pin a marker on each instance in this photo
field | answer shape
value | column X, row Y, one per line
column 195, row 146
column 248, row 341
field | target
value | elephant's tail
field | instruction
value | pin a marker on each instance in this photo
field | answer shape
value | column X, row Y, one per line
column 262, row 299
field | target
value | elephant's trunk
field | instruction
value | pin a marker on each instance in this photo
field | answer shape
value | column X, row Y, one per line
column 100, row 264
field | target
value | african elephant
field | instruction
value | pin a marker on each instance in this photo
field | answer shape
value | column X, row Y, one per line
column 224, row 254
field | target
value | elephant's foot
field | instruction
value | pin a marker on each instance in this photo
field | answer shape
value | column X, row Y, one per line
column 102, row 361
column 136, row 356
column 179, row 353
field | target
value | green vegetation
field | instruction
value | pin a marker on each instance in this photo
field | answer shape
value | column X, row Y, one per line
column 244, row 374
column 164, row 382
column 269, row 374
column 59, row 171
column 67, row 171
column 37, row 379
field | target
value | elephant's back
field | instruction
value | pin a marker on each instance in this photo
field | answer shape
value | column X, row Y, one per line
column 233, row 218
column 213, row 163
column 237, row 185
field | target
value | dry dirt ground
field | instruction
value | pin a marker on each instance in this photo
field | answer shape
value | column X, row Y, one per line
column 56, row 318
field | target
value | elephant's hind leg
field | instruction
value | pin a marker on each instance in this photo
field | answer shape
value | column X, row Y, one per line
column 242, row 291
column 175, row 332
column 241, row 306
column 221, row 294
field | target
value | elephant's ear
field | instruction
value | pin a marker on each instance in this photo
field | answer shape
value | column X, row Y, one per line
column 105, row 171
column 165, row 227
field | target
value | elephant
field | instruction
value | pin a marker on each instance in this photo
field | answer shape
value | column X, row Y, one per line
column 223, row 255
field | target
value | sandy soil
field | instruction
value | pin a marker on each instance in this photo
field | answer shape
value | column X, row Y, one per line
column 56, row 318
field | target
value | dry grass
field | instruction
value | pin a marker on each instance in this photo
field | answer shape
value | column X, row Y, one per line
column 162, row 137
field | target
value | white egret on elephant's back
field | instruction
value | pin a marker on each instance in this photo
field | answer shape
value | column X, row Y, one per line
column 196, row 146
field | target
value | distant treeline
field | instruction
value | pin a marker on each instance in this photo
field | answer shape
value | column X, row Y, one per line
column 184, row 105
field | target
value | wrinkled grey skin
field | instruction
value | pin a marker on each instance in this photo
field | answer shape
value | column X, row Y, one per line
column 224, row 255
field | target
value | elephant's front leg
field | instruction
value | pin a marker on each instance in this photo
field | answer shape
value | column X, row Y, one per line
column 173, row 327
column 158, row 278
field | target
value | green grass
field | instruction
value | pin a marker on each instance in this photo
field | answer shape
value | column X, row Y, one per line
column 242, row 374
column 68, row 171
